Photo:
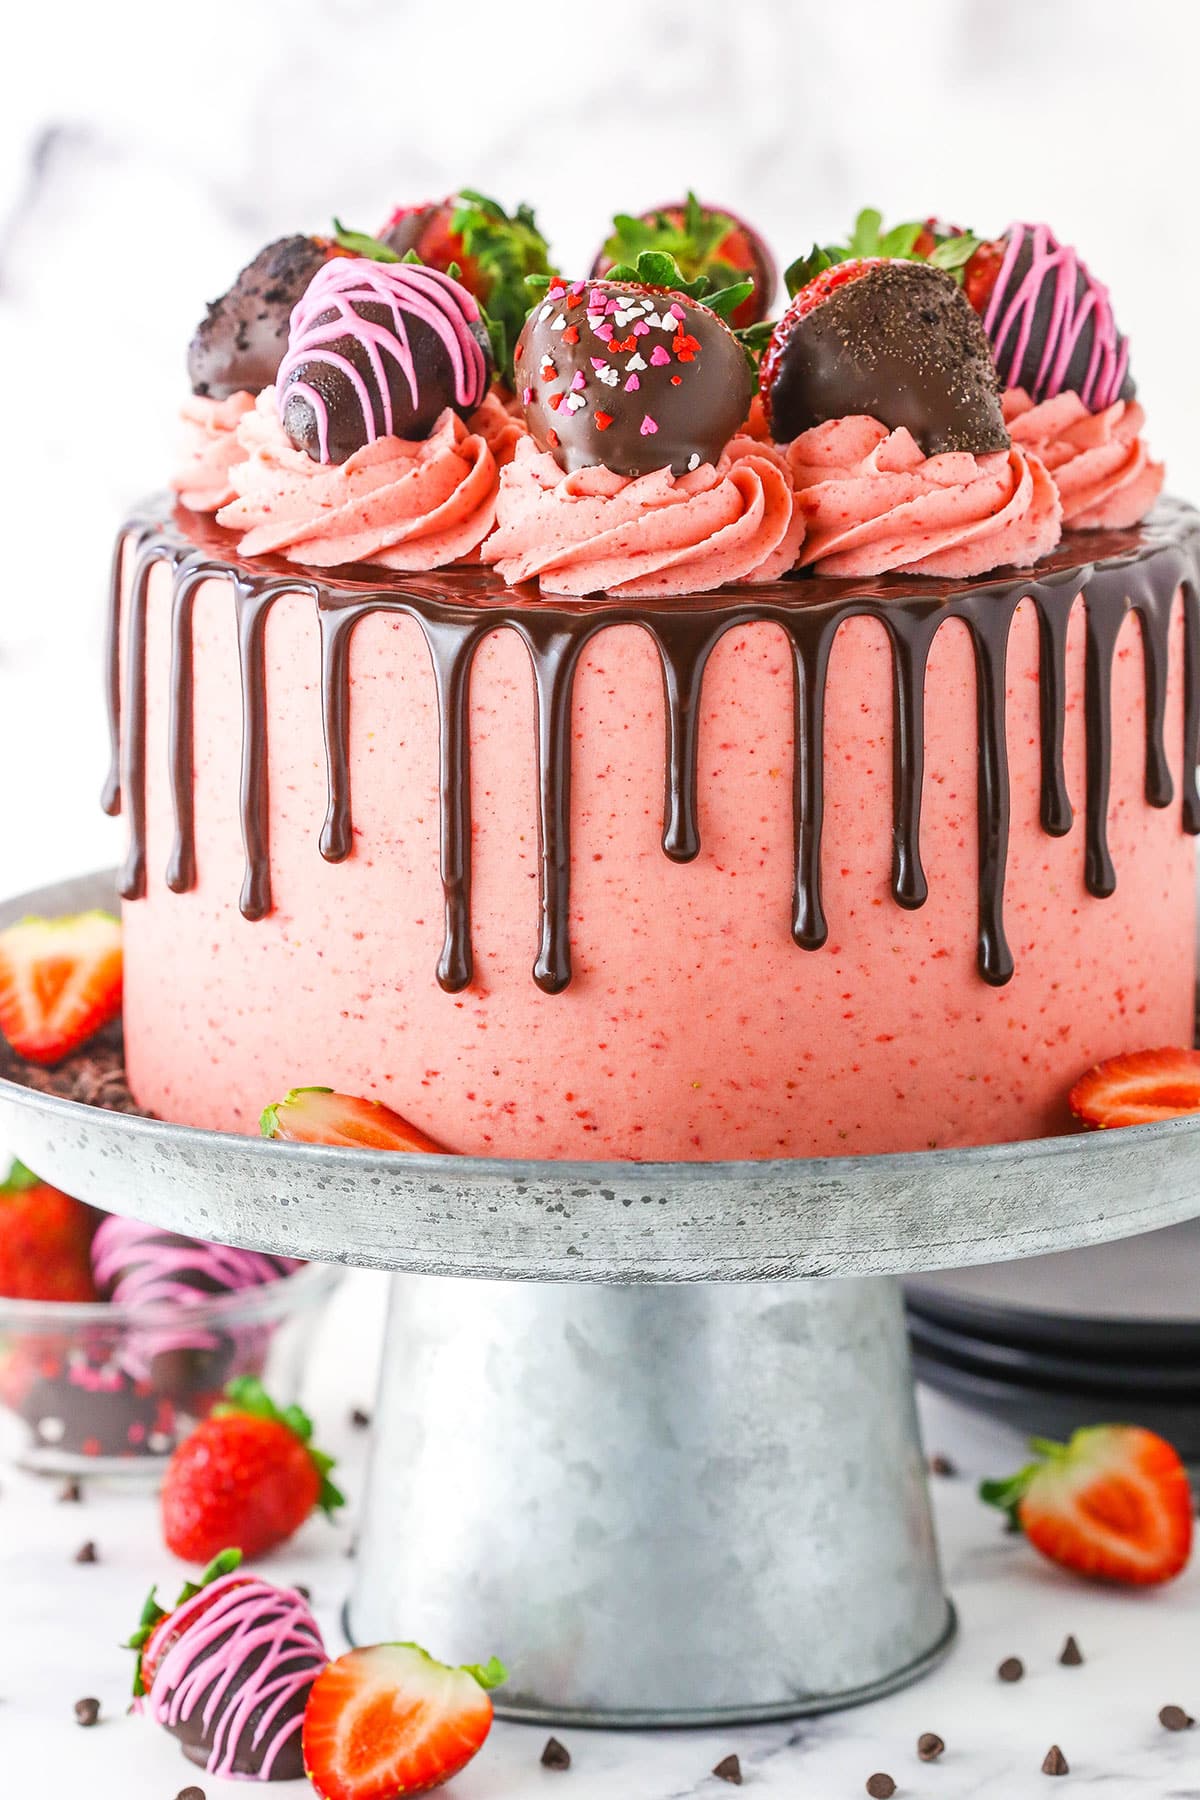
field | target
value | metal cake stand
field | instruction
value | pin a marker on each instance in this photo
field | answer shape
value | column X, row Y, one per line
column 628, row 1433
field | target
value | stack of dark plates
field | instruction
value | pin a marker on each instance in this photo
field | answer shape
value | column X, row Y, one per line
column 1106, row 1335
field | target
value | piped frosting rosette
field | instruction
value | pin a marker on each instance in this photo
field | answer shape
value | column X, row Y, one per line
column 657, row 533
column 873, row 503
column 208, row 449
column 405, row 504
column 1098, row 460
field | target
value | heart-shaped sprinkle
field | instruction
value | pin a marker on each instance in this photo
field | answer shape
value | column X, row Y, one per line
column 636, row 362
column 648, row 426
column 660, row 356
column 632, row 385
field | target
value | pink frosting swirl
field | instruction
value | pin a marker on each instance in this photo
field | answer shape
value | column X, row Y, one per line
column 1099, row 461
column 873, row 504
column 648, row 534
column 208, row 450
column 404, row 504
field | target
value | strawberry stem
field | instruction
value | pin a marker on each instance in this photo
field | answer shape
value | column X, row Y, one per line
column 245, row 1394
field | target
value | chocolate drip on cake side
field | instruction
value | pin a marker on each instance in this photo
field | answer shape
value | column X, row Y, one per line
column 1138, row 571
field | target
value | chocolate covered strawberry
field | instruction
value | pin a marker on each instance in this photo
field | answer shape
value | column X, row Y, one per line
column 247, row 1477
column 1114, row 1503
column 389, row 1720
column 1140, row 1088
column 890, row 338
column 239, row 344
column 317, row 1115
column 45, row 1241
column 60, row 983
column 489, row 250
column 705, row 241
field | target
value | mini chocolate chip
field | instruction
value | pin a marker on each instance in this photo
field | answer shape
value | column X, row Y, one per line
column 555, row 1755
column 729, row 1769
column 941, row 1465
column 1011, row 1669
column 70, row 1493
column 880, row 1787
column 87, row 1711
column 305, row 1593
column 1173, row 1718
column 930, row 1746
column 1055, row 1762
column 1071, row 1656
column 87, row 1553
column 190, row 1793
column 360, row 1419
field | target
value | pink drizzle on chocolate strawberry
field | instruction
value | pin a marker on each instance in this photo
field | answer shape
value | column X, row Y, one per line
column 233, row 1684
column 1051, row 324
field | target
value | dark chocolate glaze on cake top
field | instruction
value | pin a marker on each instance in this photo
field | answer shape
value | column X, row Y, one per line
column 1116, row 572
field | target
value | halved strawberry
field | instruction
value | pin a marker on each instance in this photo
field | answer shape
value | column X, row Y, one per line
column 318, row 1115
column 1138, row 1089
column 60, row 983
column 390, row 1720
column 45, row 1241
column 1114, row 1504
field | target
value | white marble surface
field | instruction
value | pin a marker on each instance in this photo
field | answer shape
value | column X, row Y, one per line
column 60, row 1624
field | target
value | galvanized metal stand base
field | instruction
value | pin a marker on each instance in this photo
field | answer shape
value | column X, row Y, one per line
column 660, row 1505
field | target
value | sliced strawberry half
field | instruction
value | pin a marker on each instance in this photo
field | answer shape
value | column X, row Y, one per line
column 390, row 1720
column 1139, row 1089
column 1114, row 1503
column 318, row 1115
column 60, row 983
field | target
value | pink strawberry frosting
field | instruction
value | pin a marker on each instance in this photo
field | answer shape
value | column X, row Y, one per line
column 405, row 505
column 874, row 503
column 208, row 449
column 1099, row 461
column 649, row 534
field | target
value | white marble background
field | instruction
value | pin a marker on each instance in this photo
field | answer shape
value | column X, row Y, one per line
column 147, row 148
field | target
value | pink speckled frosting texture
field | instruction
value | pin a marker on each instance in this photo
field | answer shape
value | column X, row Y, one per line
column 1099, row 461
column 650, row 534
column 405, row 505
column 208, row 449
column 874, row 503
column 260, row 1619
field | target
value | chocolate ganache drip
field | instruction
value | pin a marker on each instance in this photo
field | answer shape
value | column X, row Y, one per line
column 1139, row 570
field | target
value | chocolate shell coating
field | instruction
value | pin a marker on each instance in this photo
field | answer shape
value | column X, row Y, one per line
column 240, row 343
column 196, row 1738
column 1035, row 364
column 630, row 378
column 901, row 344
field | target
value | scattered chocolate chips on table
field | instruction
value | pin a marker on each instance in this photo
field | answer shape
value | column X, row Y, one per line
column 881, row 1786
column 1011, row 1669
column 555, row 1755
column 190, row 1793
column 1055, row 1762
column 360, row 1419
column 1173, row 1718
column 942, row 1465
column 87, row 1553
column 729, row 1769
column 1071, row 1656
column 70, row 1493
column 87, row 1711
column 930, row 1746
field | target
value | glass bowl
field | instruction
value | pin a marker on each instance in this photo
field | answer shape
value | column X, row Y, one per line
column 109, row 1389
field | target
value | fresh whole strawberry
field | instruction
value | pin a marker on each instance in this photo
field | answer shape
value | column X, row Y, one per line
column 390, row 1721
column 981, row 271
column 1141, row 1088
column 45, row 1241
column 704, row 241
column 157, row 1629
column 317, row 1115
column 247, row 1477
column 60, row 983
column 1114, row 1504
